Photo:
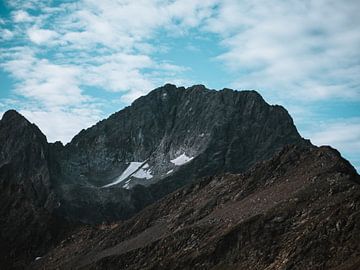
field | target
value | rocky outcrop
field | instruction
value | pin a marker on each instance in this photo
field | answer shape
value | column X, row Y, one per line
column 299, row 210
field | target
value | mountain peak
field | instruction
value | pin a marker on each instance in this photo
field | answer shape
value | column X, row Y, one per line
column 15, row 127
column 13, row 116
column 236, row 127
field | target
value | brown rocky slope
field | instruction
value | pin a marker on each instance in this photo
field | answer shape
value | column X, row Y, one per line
column 299, row 210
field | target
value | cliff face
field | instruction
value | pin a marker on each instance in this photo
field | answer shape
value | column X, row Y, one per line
column 163, row 141
column 299, row 210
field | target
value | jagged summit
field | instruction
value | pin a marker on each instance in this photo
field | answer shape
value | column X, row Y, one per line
column 171, row 122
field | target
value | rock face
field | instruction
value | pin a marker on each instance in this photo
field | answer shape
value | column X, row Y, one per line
column 163, row 141
column 225, row 131
column 299, row 210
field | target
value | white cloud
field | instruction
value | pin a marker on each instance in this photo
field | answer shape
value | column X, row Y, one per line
column 22, row 16
column 40, row 36
column 38, row 79
column 280, row 46
column 6, row 34
column 301, row 49
column 60, row 125
column 97, row 44
column 113, row 24
column 343, row 134
column 119, row 78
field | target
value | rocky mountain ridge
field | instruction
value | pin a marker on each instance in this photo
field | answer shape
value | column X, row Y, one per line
column 165, row 140
column 171, row 122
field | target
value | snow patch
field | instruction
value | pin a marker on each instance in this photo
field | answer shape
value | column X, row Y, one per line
column 169, row 171
column 135, row 169
column 143, row 173
column 145, row 166
column 181, row 160
column 37, row 258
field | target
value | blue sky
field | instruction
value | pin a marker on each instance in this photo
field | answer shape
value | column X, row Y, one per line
column 67, row 64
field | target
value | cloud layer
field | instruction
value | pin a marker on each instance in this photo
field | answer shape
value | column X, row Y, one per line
column 308, row 49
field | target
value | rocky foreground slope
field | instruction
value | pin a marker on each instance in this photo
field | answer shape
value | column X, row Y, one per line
column 299, row 210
